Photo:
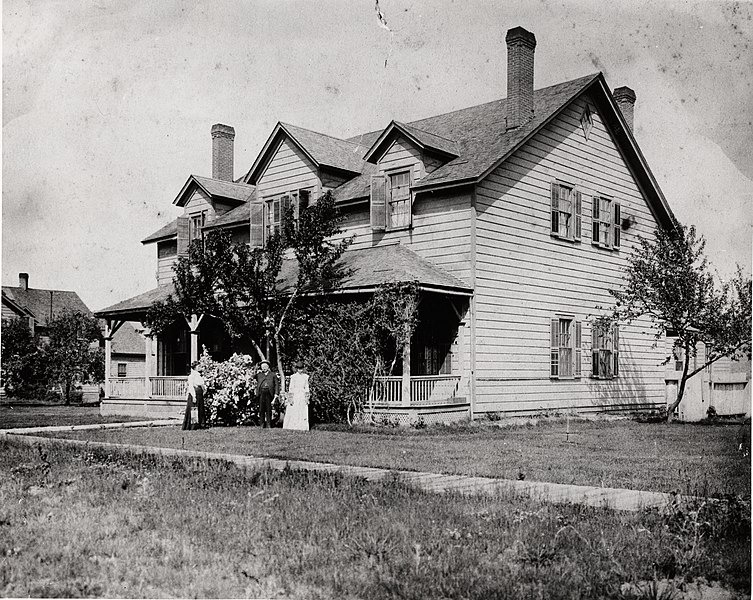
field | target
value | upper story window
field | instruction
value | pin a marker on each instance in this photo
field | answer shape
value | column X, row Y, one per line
column 276, row 208
column 195, row 226
column 565, row 355
column 605, row 342
column 605, row 222
column 399, row 208
column 566, row 212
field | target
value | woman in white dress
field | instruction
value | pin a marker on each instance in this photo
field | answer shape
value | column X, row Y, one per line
column 297, row 411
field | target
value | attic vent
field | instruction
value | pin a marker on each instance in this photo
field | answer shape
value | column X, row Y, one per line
column 586, row 122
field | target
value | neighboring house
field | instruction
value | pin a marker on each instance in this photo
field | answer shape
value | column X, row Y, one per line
column 725, row 384
column 515, row 217
column 38, row 306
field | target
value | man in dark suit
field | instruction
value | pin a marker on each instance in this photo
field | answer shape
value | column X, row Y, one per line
column 267, row 388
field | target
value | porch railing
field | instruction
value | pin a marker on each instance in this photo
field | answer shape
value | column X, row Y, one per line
column 424, row 389
column 169, row 387
column 127, row 387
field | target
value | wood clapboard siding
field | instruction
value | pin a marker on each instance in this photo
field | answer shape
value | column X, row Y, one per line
column 289, row 169
column 524, row 276
column 165, row 271
column 402, row 154
column 136, row 366
column 199, row 202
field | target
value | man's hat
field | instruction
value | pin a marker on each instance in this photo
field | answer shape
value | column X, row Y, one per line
column 264, row 361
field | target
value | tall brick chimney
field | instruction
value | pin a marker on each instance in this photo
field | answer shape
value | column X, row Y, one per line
column 520, row 47
column 625, row 99
column 223, row 137
column 23, row 281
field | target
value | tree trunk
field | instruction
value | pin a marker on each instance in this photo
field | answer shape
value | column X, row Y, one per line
column 67, row 392
column 681, row 391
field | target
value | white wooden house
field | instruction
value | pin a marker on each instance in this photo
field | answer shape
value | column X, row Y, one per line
column 515, row 217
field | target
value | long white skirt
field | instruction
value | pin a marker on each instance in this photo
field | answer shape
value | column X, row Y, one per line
column 297, row 413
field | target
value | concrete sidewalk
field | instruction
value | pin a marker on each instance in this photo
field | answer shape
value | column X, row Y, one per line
column 617, row 499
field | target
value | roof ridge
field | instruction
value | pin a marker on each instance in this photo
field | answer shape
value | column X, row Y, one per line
column 222, row 180
column 444, row 114
column 38, row 289
column 320, row 133
column 428, row 132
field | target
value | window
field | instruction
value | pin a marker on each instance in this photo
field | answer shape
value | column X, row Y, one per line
column 605, row 339
column 566, row 212
column 276, row 208
column 399, row 205
column 195, row 226
column 122, row 369
column 606, row 222
column 565, row 357
column 586, row 122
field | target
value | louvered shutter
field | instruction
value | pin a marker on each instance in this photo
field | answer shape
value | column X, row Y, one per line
column 595, row 219
column 577, row 210
column 378, row 202
column 577, row 367
column 256, row 218
column 594, row 349
column 410, row 199
column 184, row 225
column 554, row 359
column 617, row 222
column 555, row 207
column 616, row 348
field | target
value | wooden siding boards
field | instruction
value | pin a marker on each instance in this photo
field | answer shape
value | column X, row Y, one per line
column 401, row 155
column 524, row 276
column 288, row 169
column 199, row 202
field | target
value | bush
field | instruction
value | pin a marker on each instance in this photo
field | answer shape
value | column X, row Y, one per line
column 231, row 388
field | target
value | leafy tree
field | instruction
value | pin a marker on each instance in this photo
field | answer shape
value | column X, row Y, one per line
column 23, row 365
column 668, row 280
column 72, row 353
column 243, row 287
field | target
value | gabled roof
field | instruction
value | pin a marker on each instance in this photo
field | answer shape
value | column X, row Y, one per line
column 214, row 188
column 127, row 341
column 419, row 137
column 321, row 149
column 17, row 308
column 483, row 141
column 43, row 304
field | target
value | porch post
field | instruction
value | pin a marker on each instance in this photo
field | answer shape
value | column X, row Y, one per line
column 111, row 328
column 148, row 361
column 405, row 395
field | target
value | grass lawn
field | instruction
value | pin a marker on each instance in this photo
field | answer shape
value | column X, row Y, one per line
column 76, row 523
column 688, row 458
column 25, row 414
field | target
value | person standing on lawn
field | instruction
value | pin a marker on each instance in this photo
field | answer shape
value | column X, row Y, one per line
column 195, row 397
column 297, row 412
column 267, row 388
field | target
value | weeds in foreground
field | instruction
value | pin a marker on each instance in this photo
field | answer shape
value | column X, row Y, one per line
column 111, row 524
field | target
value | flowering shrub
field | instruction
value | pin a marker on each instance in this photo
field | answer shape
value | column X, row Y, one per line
column 229, row 399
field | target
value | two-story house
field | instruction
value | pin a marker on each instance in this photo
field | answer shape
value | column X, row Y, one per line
column 515, row 218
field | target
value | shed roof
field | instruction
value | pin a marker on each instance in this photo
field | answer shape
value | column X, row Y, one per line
column 163, row 233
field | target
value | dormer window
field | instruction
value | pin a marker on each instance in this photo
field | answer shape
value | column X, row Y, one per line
column 195, row 226
column 276, row 208
column 399, row 209
column 586, row 122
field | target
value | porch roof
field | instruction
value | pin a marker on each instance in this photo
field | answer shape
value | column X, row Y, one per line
column 365, row 270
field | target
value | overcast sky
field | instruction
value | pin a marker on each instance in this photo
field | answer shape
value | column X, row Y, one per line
column 108, row 106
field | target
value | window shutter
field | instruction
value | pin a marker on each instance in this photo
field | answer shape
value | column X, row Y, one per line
column 594, row 350
column 577, row 209
column 410, row 199
column 378, row 202
column 555, row 207
column 595, row 219
column 616, row 348
column 184, row 233
column 577, row 354
column 256, row 237
column 555, row 347
column 617, row 221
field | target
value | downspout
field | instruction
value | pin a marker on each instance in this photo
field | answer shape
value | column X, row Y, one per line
column 472, row 378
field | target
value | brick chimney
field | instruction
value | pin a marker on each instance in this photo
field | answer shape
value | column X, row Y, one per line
column 23, row 281
column 520, row 47
column 223, row 137
column 625, row 99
